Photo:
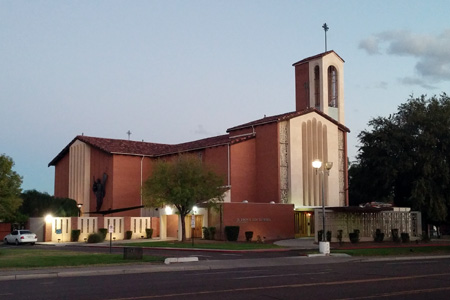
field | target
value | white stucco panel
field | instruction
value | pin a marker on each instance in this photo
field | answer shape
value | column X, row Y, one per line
column 312, row 137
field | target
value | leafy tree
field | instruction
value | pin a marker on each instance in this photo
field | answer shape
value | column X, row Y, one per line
column 183, row 183
column 405, row 159
column 10, row 189
column 37, row 204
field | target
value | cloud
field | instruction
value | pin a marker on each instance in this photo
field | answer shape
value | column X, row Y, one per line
column 370, row 45
column 382, row 85
column 201, row 130
column 432, row 52
column 416, row 81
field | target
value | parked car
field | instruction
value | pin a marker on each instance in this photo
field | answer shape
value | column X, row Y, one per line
column 21, row 237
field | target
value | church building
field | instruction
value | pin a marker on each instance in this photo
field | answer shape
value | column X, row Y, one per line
column 267, row 163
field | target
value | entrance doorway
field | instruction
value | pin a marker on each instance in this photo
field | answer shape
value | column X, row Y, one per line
column 198, row 226
column 197, row 231
column 304, row 224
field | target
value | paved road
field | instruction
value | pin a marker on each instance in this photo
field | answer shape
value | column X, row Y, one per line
column 280, row 278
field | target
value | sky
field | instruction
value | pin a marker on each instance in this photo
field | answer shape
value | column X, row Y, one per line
column 176, row 71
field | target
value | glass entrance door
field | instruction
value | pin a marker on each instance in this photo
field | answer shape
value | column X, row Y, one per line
column 304, row 223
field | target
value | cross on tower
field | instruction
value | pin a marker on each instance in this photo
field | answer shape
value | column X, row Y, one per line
column 325, row 28
column 129, row 133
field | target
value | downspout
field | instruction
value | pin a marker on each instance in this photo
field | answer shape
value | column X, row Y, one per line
column 229, row 167
column 229, row 186
column 142, row 160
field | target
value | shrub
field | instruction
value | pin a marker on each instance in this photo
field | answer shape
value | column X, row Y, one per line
column 206, row 234
column 128, row 235
column 75, row 235
column 339, row 235
column 329, row 236
column 405, row 237
column 379, row 236
column 103, row 232
column 232, row 233
column 95, row 238
column 395, row 236
column 212, row 232
column 425, row 237
column 354, row 236
column 320, row 235
column 248, row 236
column 149, row 232
column 209, row 233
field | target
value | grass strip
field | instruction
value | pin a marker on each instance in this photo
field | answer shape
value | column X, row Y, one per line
column 200, row 245
column 397, row 251
column 36, row 258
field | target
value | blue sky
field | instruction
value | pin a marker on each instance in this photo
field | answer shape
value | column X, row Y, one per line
column 176, row 71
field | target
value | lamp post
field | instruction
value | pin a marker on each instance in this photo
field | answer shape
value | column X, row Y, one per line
column 79, row 205
column 317, row 164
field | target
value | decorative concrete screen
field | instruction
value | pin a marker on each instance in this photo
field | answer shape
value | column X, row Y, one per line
column 367, row 222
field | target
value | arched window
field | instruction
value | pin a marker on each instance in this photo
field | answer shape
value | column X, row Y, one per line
column 317, row 87
column 332, row 87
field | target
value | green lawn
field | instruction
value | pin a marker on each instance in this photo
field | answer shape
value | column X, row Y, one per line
column 37, row 258
column 397, row 251
column 206, row 245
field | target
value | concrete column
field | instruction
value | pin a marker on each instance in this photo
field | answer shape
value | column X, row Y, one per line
column 163, row 226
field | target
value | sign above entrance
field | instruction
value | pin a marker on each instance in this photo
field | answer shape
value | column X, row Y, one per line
column 193, row 221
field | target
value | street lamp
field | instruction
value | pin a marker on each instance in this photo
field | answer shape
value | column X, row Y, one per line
column 79, row 205
column 317, row 164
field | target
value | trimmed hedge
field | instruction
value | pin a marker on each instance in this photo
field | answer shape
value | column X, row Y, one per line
column 75, row 235
column 232, row 233
column 95, row 238
column 103, row 232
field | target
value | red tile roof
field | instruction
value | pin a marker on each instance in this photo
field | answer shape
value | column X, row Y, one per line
column 126, row 147
column 315, row 57
column 286, row 116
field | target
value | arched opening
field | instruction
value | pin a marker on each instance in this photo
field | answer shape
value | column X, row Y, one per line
column 332, row 87
column 317, row 87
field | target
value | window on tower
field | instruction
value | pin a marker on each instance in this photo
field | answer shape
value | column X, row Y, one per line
column 317, row 87
column 332, row 87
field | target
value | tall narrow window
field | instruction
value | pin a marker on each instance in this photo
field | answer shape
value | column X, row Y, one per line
column 332, row 87
column 317, row 87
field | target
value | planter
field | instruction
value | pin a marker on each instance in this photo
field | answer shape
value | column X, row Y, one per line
column 324, row 248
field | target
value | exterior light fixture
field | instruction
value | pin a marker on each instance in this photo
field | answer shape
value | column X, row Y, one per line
column 79, row 205
column 195, row 209
column 324, row 245
column 168, row 210
column 48, row 218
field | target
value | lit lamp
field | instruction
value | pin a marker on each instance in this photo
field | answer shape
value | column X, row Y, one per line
column 317, row 164
column 79, row 205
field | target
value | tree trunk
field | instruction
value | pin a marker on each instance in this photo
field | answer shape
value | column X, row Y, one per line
column 183, row 227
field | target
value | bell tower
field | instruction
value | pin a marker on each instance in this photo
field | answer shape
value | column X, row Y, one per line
column 319, row 84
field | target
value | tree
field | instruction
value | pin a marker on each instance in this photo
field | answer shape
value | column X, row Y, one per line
column 405, row 159
column 10, row 189
column 183, row 183
column 37, row 204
